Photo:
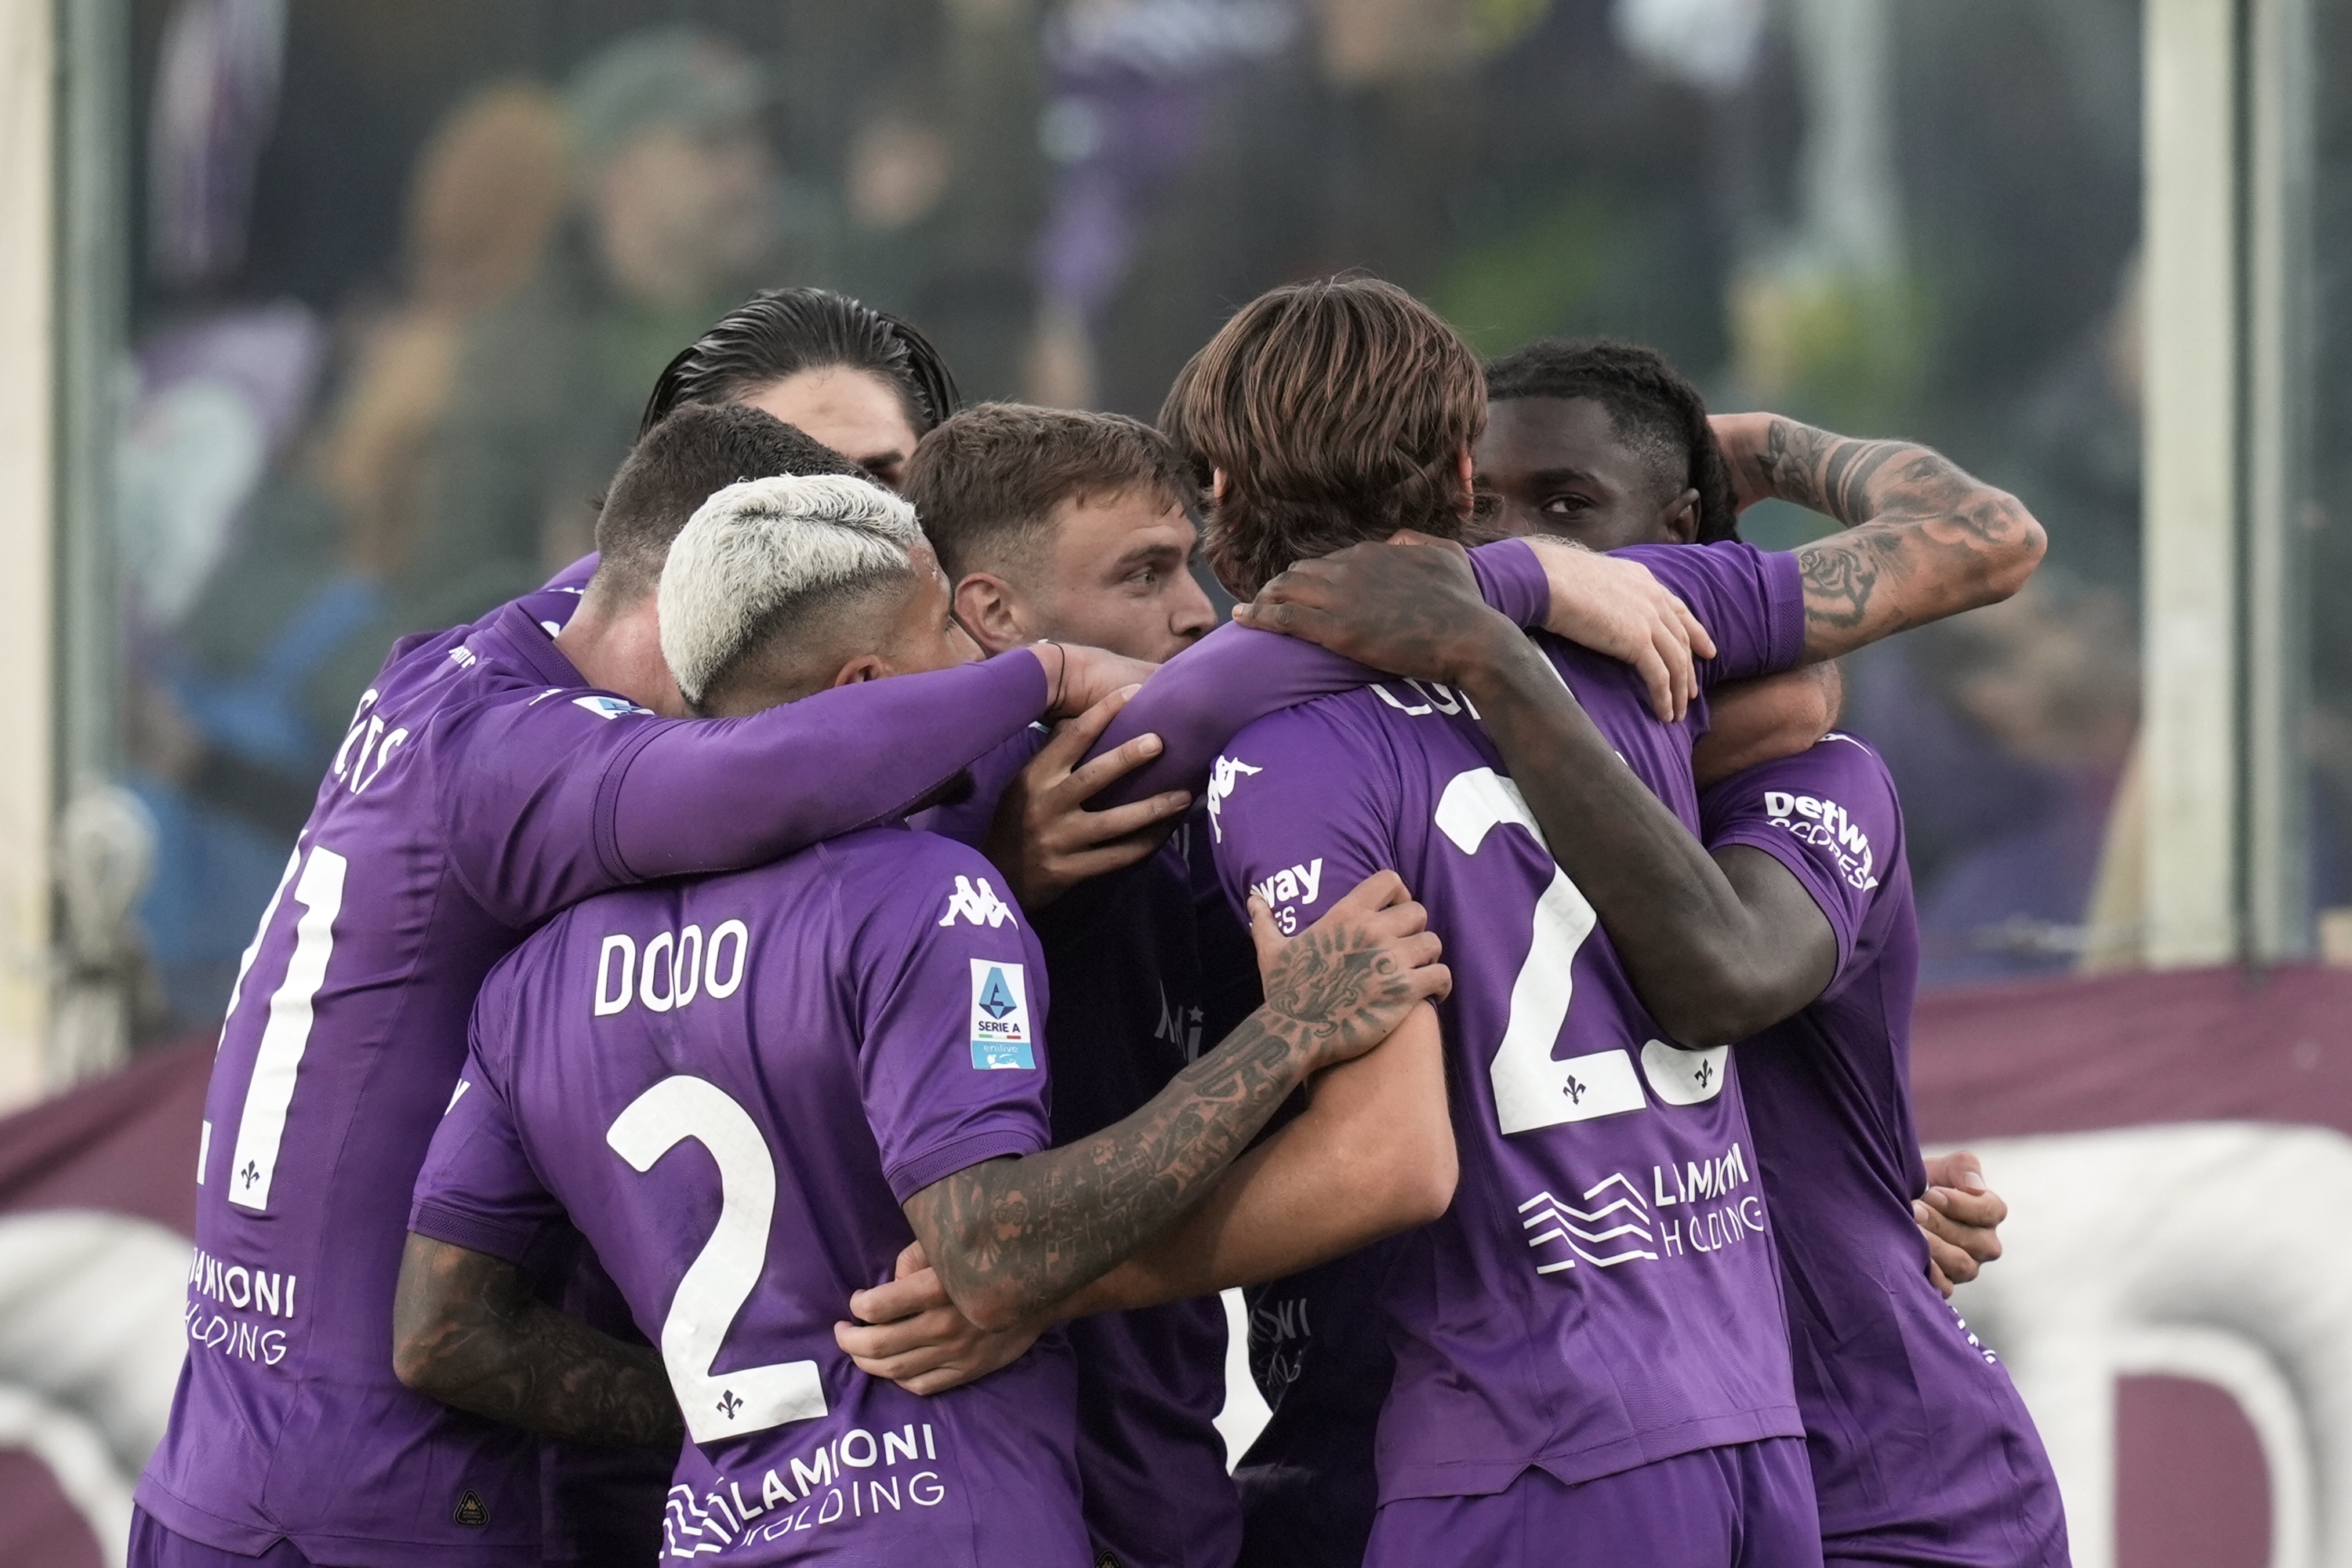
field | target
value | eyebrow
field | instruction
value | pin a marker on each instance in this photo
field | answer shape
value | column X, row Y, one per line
column 873, row 460
column 1563, row 476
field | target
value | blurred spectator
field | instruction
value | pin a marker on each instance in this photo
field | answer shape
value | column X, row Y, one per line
column 2012, row 728
column 258, row 558
column 677, row 205
column 1133, row 83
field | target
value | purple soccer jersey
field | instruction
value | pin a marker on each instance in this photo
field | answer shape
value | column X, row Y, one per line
column 1602, row 1293
column 832, row 1034
column 1208, row 692
column 1921, row 1451
column 481, row 789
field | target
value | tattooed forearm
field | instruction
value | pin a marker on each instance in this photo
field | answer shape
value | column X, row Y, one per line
column 467, row 1330
column 1010, row 1237
column 1924, row 539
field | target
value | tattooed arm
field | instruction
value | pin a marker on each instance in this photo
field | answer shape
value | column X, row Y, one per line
column 1922, row 539
column 466, row 1330
column 1010, row 1238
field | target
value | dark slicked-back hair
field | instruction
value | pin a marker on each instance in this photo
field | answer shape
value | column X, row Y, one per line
column 783, row 332
column 986, row 482
column 1338, row 412
column 681, row 462
column 1652, row 407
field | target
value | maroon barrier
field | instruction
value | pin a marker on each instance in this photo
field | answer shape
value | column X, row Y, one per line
column 2080, row 1055
column 126, row 1144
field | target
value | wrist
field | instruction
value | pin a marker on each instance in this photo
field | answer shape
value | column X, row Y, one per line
column 1498, row 665
column 1299, row 1038
column 1481, row 644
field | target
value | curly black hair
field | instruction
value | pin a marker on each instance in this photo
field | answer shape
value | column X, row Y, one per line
column 1653, row 408
column 781, row 331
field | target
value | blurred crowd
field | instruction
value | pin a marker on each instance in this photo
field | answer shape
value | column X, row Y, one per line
column 409, row 270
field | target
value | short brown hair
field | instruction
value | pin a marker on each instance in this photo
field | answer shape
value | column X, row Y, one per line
column 986, row 482
column 696, row 452
column 1338, row 412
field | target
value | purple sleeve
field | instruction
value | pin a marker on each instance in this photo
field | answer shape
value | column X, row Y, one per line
column 477, row 1189
column 1512, row 582
column 717, row 795
column 967, row 821
column 1829, row 815
column 1236, row 675
column 566, row 795
column 1751, row 602
column 949, row 1062
column 1301, row 809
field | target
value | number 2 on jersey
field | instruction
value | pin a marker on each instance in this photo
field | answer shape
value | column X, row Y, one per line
column 1532, row 1090
column 720, row 1279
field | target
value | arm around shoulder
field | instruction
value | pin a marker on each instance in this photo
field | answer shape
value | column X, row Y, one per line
column 1373, row 1154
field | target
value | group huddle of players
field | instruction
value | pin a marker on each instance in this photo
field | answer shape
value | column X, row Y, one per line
column 767, row 1049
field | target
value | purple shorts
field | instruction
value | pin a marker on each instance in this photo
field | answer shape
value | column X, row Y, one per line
column 153, row 1546
column 1749, row 1505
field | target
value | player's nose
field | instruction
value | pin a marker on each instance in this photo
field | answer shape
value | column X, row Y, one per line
column 1191, row 617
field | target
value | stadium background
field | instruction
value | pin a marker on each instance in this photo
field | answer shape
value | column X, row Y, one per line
column 320, row 321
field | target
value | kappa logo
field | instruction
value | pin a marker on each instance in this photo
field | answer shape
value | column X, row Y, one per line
column 979, row 904
column 1001, row 1035
column 470, row 1511
column 609, row 708
column 1228, row 771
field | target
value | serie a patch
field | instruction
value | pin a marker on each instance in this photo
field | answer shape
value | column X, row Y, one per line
column 1001, row 1036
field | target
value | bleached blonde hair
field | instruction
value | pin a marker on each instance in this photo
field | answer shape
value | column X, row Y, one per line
column 765, row 551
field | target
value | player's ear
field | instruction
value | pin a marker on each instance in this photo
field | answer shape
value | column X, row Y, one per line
column 990, row 611
column 1681, row 518
column 865, row 667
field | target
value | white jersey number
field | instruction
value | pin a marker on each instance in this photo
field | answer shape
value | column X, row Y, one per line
column 261, row 1125
column 719, row 1280
column 1532, row 1090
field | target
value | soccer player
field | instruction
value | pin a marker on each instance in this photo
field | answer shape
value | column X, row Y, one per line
column 850, row 1037
column 492, row 775
column 1921, row 1451
column 1058, row 524
column 859, row 380
column 1604, row 443
column 1593, row 1362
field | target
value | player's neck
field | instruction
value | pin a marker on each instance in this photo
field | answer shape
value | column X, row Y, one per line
column 620, row 652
